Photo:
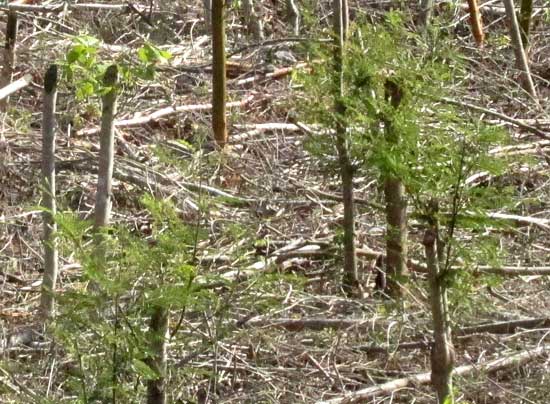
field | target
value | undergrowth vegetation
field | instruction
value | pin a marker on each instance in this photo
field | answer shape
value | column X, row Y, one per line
column 436, row 148
column 241, row 250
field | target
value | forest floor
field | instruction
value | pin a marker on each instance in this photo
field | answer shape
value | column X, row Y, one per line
column 286, row 333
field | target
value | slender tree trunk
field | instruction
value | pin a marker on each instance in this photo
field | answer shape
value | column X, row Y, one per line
column 48, row 193
column 9, row 54
column 521, row 58
column 293, row 16
column 396, row 207
column 396, row 237
column 525, row 12
column 425, row 14
column 219, row 87
column 158, row 331
column 475, row 22
column 106, row 149
column 106, row 164
column 442, row 355
column 207, row 5
column 253, row 22
column 350, row 279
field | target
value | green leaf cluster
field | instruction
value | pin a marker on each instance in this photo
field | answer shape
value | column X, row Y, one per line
column 105, row 333
column 150, row 56
column 84, row 65
column 399, row 125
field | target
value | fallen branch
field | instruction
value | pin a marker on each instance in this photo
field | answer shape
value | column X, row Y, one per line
column 487, row 8
column 505, row 327
column 12, row 278
column 10, row 381
column 304, row 251
column 261, row 127
column 276, row 74
column 525, row 148
column 271, row 42
column 404, row 346
column 464, row 333
column 133, row 178
column 387, row 348
column 265, row 265
column 518, row 122
column 163, row 113
column 9, row 219
column 253, row 130
column 316, row 324
column 528, row 220
column 536, row 122
column 230, row 198
column 424, row 378
column 518, row 219
column 15, row 86
column 338, row 198
column 417, row 266
column 146, row 178
column 513, row 271
column 59, row 7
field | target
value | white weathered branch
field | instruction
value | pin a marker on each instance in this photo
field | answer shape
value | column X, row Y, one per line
column 424, row 378
column 59, row 7
column 15, row 86
column 528, row 220
column 163, row 113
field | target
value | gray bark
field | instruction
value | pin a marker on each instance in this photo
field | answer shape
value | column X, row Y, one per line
column 48, row 193
column 15, row 86
column 106, row 149
column 9, row 54
column 158, row 330
column 253, row 22
column 106, row 164
column 207, row 4
column 521, row 58
column 350, row 280
column 526, row 10
column 442, row 355
column 396, row 206
column 293, row 16
column 425, row 14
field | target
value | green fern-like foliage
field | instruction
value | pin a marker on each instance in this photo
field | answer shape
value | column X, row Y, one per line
column 85, row 64
column 432, row 146
column 105, row 333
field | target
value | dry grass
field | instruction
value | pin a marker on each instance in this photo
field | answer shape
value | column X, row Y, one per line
column 227, row 358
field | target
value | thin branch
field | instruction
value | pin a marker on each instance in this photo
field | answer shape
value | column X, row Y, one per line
column 505, row 327
column 317, row 324
column 15, row 86
column 60, row 7
column 162, row 113
column 424, row 378
column 518, row 122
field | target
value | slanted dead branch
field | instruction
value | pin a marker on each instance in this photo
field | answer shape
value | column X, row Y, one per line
column 517, row 122
column 505, row 327
column 163, row 113
column 424, row 378
column 15, row 86
column 62, row 6
column 296, row 325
